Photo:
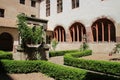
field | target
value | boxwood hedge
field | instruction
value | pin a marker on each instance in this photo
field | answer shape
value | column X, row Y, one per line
column 5, row 55
column 58, row 72
column 107, row 67
column 60, row 53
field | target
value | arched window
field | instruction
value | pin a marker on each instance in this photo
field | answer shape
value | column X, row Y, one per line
column 6, row 42
column 77, row 31
column 103, row 31
column 47, row 7
column 59, row 34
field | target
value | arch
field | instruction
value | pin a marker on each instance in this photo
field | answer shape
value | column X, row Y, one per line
column 77, row 31
column 59, row 34
column 103, row 30
column 6, row 42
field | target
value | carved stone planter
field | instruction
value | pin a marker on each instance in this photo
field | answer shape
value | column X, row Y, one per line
column 33, row 52
column 19, row 54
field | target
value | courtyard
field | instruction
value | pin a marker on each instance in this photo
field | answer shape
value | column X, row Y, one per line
column 59, row 60
column 70, row 40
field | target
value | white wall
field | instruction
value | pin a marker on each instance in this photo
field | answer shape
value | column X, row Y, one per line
column 87, row 13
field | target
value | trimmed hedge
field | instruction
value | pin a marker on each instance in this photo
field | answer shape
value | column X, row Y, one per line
column 58, row 72
column 94, row 65
column 60, row 53
column 80, row 54
column 5, row 55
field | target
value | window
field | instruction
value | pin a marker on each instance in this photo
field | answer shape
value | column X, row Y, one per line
column 59, row 34
column 103, row 30
column 22, row 1
column 47, row 7
column 33, row 16
column 75, row 4
column 33, row 3
column 1, row 12
column 77, row 32
column 59, row 6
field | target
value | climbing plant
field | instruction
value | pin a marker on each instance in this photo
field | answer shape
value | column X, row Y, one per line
column 28, row 34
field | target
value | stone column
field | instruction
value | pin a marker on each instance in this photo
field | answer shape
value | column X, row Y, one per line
column 73, row 29
column 109, row 37
column 102, row 32
column 68, row 36
column 89, row 34
column 92, row 37
column 78, row 39
column 63, row 36
column 96, row 33
column 81, row 33
column 56, row 35
column 59, row 34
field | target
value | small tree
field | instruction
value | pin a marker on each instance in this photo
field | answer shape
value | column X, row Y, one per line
column 54, row 44
column 116, row 49
column 84, row 45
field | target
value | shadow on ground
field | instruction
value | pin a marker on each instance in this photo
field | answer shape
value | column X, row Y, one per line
column 3, row 74
column 5, row 77
column 100, row 76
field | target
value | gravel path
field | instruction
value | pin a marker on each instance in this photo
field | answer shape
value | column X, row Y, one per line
column 57, row 60
column 29, row 76
column 32, row 76
column 101, row 56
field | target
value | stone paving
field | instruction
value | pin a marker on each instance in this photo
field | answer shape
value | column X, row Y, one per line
column 29, row 76
column 57, row 60
column 101, row 56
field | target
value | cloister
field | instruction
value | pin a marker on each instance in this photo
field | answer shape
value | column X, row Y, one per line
column 103, row 30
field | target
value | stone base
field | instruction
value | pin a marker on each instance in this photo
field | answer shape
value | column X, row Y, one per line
column 95, row 47
column 19, row 56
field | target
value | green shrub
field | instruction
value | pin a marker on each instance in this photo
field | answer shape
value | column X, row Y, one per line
column 58, row 72
column 80, row 54
column 84, row 46
column 60, row 53
column 29, row 34
column 94, row 65
column 54, row 44
column 5, row 55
